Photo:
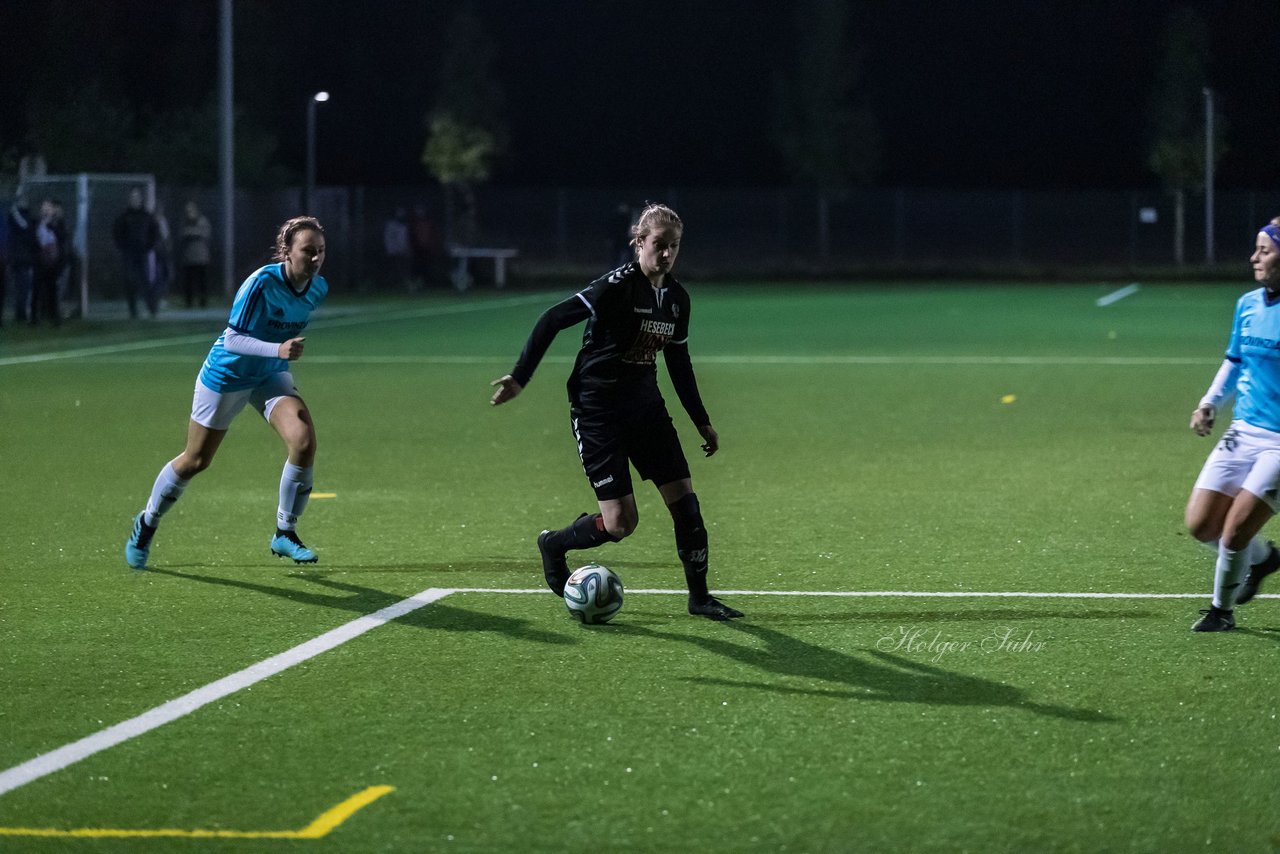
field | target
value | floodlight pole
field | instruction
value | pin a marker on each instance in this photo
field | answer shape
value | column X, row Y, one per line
column 1208, row 177
column 310, row 190
column 227, row 151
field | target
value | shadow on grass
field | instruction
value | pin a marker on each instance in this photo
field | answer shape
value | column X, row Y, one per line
column 361, row 600
column 1266, row 633
column 489, row 565
column 880, row 676
column 980, row 615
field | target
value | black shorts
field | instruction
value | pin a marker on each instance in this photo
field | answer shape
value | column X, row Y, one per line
column 645, row 438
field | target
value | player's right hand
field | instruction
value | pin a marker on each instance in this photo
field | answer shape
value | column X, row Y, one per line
column 292, row 349
column 508, row 388
column 1202, row 420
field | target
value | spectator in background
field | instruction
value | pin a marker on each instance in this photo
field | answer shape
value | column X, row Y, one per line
column 422, row 243
column 4, row 262
column 67, row 252
column 136, row 235
column 48, row 266
column 395, row 242
column 162, row 254
column 193, row 253
column 620, row 234
column 22, row 255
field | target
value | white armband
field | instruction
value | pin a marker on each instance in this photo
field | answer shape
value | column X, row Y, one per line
column 244, row 345
column 1224, row 384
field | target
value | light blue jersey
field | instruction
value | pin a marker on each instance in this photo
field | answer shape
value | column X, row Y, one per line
column 1255, row 346
column 267, row 308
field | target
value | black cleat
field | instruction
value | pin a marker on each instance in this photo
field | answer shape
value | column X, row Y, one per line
column 1215, row 620
column 554, row 568
column 1257, row 572
column 712, row 608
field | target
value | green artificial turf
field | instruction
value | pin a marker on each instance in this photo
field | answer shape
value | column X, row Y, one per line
column 898, row 439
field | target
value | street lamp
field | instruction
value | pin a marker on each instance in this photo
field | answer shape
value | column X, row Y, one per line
column 310, row 192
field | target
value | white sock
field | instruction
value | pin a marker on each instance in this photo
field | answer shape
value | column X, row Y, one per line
column 1258, row 549
column 164, row 494
column 1227, row 575
column 295, row 489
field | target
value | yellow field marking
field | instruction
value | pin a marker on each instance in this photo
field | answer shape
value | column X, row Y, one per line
column 326, row 822
column 324, row 495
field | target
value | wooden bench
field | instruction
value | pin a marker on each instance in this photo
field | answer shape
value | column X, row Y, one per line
column 462, row 254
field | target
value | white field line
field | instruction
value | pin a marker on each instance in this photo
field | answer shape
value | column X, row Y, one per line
column 1117, row 295
column 932, row 594
column 750, row 359
column 320, row 323
column 56, row 760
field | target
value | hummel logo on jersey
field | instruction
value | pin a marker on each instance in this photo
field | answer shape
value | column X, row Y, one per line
column 596, row 484
column 277, row 310
column 639, row 310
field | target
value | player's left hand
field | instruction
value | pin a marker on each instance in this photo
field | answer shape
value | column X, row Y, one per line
column 712, row 443
column 1202, row 420
column 291, row 349
column 507, row 389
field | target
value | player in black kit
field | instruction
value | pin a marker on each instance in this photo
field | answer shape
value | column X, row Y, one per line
column 618, row 414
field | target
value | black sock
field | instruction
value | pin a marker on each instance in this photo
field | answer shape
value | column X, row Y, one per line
column 691, row 543
column 586, row 532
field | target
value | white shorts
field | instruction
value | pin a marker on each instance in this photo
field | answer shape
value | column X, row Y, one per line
column 1246, row 457
column 216, row 409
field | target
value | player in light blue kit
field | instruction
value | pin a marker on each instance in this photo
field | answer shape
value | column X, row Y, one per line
column 1238, row 490
column 249, row 364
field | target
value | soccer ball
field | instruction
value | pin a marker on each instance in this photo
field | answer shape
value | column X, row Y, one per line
column 593, row 594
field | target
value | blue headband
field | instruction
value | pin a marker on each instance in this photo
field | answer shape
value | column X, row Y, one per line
column 1273, row 232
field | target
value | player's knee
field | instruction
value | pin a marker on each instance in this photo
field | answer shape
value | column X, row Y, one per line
column 686, row 511
column 1235, row 539
column 303, row 447
column 1204, row 530
column 621, row 525
column 190, row 465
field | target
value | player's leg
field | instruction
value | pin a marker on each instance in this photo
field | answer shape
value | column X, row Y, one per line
column 1233, row 464
column 197, row 455
column 654, row 447
column 289, row 417
column 692, row 548
column 606, row 467
column 1244, row 520
column 1257, row 503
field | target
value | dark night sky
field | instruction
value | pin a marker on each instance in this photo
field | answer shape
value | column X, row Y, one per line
column 1020, row 93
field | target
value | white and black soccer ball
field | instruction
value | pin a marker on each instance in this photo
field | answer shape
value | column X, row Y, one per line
column 593, row 594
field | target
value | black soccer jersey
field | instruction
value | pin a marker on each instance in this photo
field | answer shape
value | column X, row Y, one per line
column 628, row 323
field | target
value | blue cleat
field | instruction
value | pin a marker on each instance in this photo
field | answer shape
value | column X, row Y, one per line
column 138, row 546
column 287, row 544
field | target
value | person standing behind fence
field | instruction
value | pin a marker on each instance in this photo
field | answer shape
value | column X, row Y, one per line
column 193, row 252
column 22, row 256
column 4, row 263
column 136, row 236
column 69, row 261
column 48, row 265
column 423, row 244
column 395, row 243
column 162, row 254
